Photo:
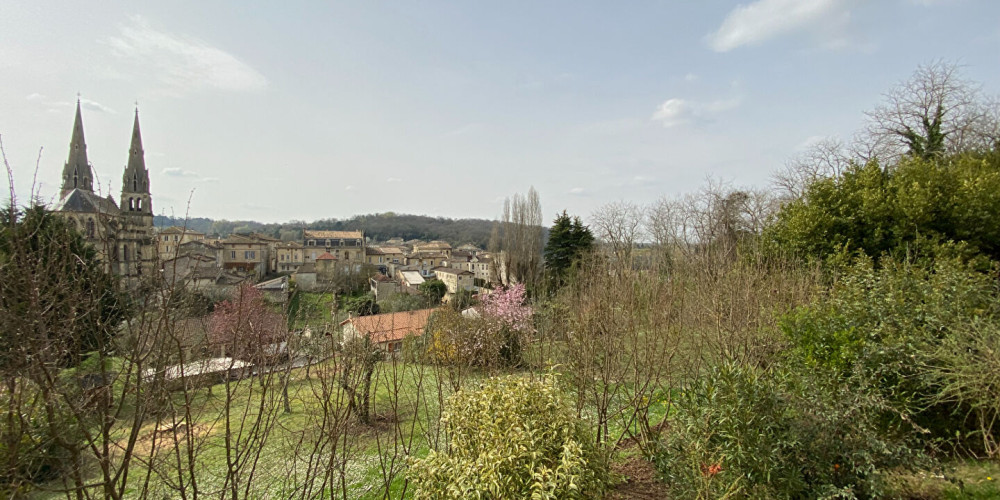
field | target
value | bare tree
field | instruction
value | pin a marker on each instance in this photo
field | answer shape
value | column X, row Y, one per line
column 516, row 242
column 935, row 112
column 619, row 225
column 825, row 158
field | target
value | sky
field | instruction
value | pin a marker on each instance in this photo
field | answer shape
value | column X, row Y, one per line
column 278, row 111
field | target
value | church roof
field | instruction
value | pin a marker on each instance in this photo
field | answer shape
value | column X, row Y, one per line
column 79, row 200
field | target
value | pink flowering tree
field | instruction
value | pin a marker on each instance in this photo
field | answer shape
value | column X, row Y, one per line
column 507, row 323
column 245, row 327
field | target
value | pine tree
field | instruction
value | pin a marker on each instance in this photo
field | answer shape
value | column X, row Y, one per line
column 569, row 238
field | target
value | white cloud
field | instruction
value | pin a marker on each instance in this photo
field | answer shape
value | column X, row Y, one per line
column 690, row 77
column 577, row 190
column 186, row 174
column 181, row 62
column 349, row 188
column 59, row 105
column 680, row 111
column 394, row 179
column 178, row 172
column 765, row 19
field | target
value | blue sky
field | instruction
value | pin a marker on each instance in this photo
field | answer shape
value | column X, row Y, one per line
column 252, row 110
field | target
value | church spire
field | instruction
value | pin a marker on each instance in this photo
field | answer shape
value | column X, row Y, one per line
column 77, row 173
column 136, row 157
column 136, row 199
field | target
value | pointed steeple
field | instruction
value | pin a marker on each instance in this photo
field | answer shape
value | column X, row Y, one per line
column 136, row 198
column 136, row 157
column 77, row 173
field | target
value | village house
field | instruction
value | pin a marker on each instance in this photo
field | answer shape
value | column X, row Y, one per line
column 409, row 280
column 305, row 277
column 245, row 255
column 436, row 247
column 385, row 258
column 289, row 256
column 386, row 331
column 169, row 240
column 424, row 263
column 481, row 266
column 326, row 267
column 454, row 280
column 213, row 282
column 382, row 287
column 347, row 246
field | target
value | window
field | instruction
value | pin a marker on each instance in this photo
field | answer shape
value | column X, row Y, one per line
column 232, row 254
column 90, row 228
column 138, row 204
column 176, row 237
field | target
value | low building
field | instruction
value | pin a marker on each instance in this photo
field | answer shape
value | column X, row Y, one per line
column 410, row 279
column 276, row 290
column 305, row 277
column 382, row 287
column 326, row 267
column 387, row 331
column 454, row 280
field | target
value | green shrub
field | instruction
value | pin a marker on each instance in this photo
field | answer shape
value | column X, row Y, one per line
column 888, row 323
column 743, row 432
column 29, row 451
column 512, row 438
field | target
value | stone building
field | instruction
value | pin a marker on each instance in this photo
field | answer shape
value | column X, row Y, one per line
column 122, row 235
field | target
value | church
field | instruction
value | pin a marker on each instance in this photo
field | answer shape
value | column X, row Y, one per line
column 122, row 234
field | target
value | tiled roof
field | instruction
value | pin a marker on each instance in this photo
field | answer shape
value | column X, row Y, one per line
column 239, row 239
column 450, row 270
column 180, row 230
column 326, row 256
column 391, row 327
column 331, row 234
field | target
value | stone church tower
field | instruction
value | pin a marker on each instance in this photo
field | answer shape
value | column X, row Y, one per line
column 123, row 236
column 138, row 243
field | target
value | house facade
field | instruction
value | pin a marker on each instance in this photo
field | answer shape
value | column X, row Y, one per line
column 245, row 255
column 289, row 256
column 169, row 240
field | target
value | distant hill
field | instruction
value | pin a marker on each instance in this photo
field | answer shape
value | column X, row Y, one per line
column 378, row 226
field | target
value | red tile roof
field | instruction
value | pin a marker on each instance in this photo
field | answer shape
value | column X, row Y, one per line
column 326, row 256
column 391, row 327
